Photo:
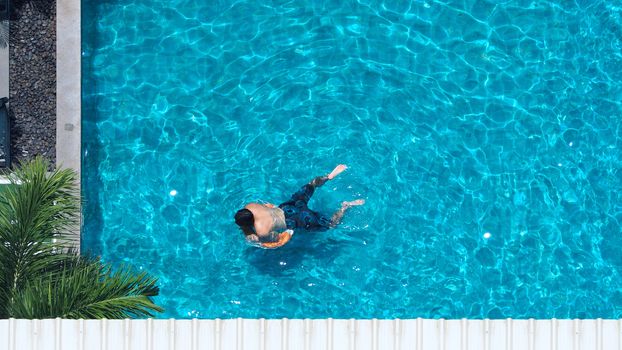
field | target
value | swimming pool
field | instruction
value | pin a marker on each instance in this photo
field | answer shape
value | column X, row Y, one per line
column 485, row 138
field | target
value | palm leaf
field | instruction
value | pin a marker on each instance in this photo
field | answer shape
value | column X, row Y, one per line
column 34, row 217
column 39, row 275
column 88, row 289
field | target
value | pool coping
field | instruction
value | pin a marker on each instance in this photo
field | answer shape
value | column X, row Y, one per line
column 68, row 93
column 281, row 334
column 4, row 64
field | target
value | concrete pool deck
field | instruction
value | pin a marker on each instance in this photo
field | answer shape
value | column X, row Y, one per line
column 68, row 91
column 4, row 54
column 4, row 71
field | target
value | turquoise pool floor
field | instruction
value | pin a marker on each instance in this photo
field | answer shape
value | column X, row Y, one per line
column 457, row 119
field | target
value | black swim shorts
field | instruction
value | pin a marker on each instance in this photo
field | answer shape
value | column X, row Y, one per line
column 298, row 214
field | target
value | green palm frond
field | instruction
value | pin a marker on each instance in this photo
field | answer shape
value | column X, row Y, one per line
column 4, row 291
column 88, row 289
column 39, row 277
column 35, row 214
column 39, row 206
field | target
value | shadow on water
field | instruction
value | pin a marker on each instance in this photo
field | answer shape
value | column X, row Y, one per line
column 305, row 246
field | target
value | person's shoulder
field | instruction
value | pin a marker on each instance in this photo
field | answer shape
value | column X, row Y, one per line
column 254, row 207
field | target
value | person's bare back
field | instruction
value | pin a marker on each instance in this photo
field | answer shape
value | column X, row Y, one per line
column 268, row 218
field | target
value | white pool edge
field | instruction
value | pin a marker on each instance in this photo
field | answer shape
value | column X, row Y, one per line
column 68, row 91
column 307, row 334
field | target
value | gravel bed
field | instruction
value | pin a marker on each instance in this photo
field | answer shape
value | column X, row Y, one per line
column 32, row 72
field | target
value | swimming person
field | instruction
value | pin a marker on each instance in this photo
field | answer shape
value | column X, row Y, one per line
column 268, row 226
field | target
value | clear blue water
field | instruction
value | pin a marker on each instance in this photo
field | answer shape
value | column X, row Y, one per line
column 457, row 118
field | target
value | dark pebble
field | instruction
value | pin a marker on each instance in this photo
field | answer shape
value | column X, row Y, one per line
column 32, row 71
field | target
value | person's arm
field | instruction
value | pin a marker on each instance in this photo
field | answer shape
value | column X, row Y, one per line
column 281, row 239
column 253, row 240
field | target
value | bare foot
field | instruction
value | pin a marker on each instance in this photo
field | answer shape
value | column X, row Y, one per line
column 352, row 203
column 338, row 170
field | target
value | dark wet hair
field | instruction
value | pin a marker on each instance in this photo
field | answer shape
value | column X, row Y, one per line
column 245, row 219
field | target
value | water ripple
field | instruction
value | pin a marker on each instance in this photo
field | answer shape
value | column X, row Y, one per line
column 485, row 137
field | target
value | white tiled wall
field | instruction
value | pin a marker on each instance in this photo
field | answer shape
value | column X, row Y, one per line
column 249, row 334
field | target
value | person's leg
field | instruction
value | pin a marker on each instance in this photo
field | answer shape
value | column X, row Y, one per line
column 338, row 215
column 319, row 181
column 297, row 204
column 304, row 194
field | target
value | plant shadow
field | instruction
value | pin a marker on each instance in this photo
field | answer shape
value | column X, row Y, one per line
column 45, row 7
